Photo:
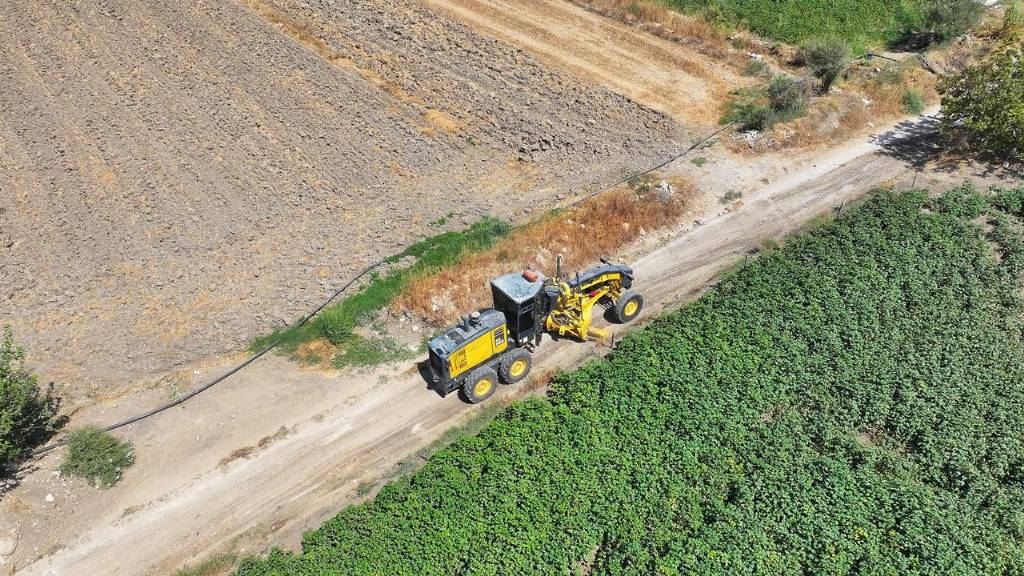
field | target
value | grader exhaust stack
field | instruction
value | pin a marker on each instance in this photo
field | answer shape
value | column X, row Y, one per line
column 497, row 343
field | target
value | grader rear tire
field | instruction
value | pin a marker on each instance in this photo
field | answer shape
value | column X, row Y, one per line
column 628, row 306
column 480, row 385
column 516, row 365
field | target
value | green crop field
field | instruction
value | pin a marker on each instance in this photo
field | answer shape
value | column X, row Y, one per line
column 862, row 22
column 851, row 403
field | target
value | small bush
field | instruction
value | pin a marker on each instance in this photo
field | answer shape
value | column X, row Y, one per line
column 983, row 107
column 787, row 98
column 913, row 102
column 905, row 31
column 756, row 67
column 753, row 116
column 1014, row 16
column 944, row 20
column 1013, row 23
column 27, row 415
column 826, row 58
column 97, row 456
column 784, row 99
column 892, row 75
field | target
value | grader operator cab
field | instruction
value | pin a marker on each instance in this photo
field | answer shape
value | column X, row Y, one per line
column 498, row 342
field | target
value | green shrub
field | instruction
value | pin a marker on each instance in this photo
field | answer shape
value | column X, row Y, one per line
column 97, row 456
column 787, row 98
column 944, row 20
column 983, row 107
column 757, row 67
column 783, row 99
column 913, row 102
column 1014, row 19
column 826, row 58
column 850, row 403
column 27, row 415
column 753, row 116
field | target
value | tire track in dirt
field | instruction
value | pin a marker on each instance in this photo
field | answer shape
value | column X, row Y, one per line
column 657, row 73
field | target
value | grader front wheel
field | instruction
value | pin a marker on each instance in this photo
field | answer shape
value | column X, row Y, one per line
column 628, row 306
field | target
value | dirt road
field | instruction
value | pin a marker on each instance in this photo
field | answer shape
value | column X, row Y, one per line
column 211, row 477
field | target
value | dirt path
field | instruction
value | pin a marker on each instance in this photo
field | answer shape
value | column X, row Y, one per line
column 657, row 73
column 213, row 476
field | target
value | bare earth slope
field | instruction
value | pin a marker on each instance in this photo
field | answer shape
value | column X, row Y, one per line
column 655, row 72
column 177, row 177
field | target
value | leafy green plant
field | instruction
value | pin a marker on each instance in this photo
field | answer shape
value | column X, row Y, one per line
column 361, row 351
column 757, row 67
column 905, row 33
column 944, row 20
column 787, row 98
column 847, row 403
column 441, row 221
column 28, row 416
column 97, row 456
column 783, row 99
column 827, row 58
column 857, row 21
column 1014, row 19
column 983, row 107
column 913, row 102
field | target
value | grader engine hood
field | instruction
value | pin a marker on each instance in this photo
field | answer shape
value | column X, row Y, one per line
column 458, row 349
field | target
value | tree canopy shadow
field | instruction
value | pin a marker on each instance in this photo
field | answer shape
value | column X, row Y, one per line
column 920, row 144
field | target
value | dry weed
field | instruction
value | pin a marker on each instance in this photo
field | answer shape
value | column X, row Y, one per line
column 661, row 21
column 868, row 95
column 316, row 354
column 582, row 235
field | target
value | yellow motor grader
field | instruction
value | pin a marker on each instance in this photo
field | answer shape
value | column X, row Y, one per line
column 497, row 342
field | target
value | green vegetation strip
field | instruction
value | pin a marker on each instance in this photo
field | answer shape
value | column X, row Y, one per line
column 861, row 22
column 337, row 322
column 849, row 403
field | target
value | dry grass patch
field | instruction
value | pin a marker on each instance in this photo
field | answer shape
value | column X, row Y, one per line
column 869, row 94
column 661, row 21
column 860, row 104
column 316, row 353
column 581, row 235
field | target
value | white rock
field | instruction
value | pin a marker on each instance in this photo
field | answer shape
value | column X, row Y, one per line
column 49, row 498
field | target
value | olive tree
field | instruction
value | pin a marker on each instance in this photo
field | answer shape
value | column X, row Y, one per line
column 27, row 415
column 983, row 107
column 827, row 58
